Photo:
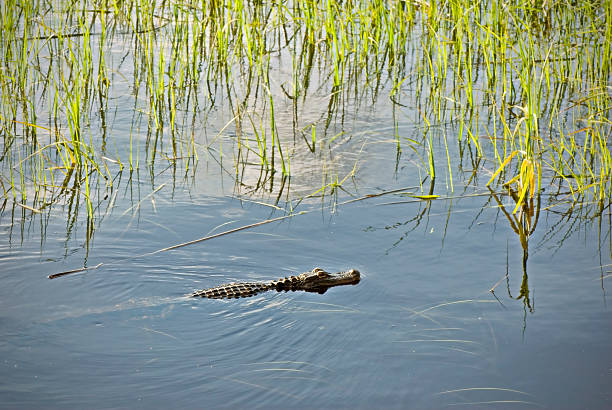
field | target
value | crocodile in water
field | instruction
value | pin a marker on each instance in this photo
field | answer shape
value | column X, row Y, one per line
column 316, row 280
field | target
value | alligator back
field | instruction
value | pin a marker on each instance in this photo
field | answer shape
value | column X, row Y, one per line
column 234, row 290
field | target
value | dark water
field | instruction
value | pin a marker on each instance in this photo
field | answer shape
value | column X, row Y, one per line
column 421, row 329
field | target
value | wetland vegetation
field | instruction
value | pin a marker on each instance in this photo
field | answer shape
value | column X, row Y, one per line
column 519, row 90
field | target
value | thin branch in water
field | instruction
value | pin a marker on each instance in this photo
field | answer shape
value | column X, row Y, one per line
column 180, row 245
column 492, row 290
column 68, row 272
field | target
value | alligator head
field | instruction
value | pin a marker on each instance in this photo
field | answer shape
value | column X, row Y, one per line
column 317, row 280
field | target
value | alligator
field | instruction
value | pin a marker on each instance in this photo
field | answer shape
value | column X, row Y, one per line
column 316, row 280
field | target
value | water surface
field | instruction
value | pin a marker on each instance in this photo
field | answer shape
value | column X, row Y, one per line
column 420, row 330
column 454, row 307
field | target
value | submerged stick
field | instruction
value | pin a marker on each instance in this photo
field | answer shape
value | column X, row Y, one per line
column 68, row 272
column 180, row 245
column 205, row 238
column 492, row 290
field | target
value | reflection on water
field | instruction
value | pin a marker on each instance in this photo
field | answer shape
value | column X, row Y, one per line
column 523, row 225
column 421, row 330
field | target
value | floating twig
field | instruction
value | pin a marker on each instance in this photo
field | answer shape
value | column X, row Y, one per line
column 180, row 245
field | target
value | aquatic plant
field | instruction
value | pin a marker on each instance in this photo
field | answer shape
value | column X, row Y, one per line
column 524, row 86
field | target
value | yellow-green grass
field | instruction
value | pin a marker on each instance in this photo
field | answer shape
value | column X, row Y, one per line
column 525, row 85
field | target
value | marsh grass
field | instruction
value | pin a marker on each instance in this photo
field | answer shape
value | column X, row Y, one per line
column 524, row 85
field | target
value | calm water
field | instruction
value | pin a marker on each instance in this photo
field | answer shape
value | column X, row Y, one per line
column 421, row 330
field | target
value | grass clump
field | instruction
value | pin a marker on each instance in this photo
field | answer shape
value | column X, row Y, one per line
column 524, row 85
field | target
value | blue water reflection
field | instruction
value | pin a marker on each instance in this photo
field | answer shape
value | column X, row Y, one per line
column 421, row 329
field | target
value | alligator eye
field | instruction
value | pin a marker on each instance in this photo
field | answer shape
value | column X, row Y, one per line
column 322, row 274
